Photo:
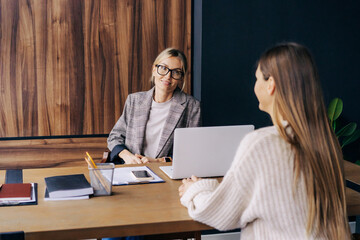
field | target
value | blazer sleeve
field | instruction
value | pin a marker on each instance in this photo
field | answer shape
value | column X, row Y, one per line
column 195, row 118
column 117, row 136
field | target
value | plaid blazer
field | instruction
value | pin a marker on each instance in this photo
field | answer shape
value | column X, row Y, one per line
column 129, row 130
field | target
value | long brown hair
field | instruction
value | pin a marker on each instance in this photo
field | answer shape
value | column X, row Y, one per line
column 318, row 156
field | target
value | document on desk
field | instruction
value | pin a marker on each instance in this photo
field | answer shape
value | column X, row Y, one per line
column 123, row 176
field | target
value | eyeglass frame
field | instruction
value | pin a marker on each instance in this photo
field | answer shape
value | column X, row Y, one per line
column 169, row 70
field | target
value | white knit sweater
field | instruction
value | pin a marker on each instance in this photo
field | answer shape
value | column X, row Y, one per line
column 256, row 194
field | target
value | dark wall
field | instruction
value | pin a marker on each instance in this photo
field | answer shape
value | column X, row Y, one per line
column 235, row 33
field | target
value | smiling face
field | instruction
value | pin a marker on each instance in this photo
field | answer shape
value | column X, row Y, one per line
column 166, row 84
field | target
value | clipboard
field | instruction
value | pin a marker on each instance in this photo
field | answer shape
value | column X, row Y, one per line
column 123, row 176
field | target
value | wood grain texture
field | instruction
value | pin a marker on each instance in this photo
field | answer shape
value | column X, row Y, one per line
column 115, row 215
column 124, row 213
column 59, row 152
column 67, row 66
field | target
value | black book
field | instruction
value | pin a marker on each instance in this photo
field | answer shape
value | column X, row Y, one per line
column 68, row 186
column 48, row 198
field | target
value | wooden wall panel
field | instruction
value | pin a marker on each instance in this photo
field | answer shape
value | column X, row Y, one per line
column 58, row 152
column 67, row 66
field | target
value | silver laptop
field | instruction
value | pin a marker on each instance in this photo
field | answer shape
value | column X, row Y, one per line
column 205, row 151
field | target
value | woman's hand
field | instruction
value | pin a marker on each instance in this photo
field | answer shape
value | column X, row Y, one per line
column 129, row 158
column 144, row 159
column 187, row 182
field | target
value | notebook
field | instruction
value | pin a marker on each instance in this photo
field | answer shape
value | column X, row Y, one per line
column 48, row 198
column 32, row 201
column 205, row 151
column 68, row 186
column 15, row 191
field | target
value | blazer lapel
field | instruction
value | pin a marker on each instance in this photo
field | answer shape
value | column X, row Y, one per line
column 141, row 116
column 176, row 110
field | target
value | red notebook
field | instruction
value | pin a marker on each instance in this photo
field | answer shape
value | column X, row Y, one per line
column 15, row 191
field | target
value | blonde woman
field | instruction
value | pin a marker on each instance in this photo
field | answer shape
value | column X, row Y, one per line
column 144, row 131
column 286, row 181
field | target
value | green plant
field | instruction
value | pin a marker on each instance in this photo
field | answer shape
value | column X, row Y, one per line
column 346, row 134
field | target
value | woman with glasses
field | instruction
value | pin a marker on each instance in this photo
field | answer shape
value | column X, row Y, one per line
column 286, row 181
column 144, row 131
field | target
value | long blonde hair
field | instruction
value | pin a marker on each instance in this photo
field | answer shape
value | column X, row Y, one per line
column 318, row 155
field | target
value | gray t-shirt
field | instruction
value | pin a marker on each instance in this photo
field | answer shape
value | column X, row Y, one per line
column 154, row 127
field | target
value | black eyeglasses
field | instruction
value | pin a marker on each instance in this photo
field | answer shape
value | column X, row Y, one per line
column 174, row 73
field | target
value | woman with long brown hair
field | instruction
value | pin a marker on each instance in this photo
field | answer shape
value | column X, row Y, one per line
column 286, row 181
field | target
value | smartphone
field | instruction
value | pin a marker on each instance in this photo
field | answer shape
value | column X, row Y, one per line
column 142, row 175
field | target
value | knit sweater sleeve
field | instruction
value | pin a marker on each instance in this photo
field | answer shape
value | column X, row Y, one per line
column 257, row 194
column 221, row 205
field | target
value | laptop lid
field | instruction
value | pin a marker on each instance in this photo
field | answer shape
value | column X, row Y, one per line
column 206, row 151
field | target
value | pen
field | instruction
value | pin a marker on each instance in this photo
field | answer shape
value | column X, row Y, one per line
column 137, row 182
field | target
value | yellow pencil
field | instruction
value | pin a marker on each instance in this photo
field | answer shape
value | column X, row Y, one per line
column 92, row 161
column 89, row 163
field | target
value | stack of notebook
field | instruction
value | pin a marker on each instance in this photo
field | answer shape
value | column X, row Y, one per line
column 17, row 194
column 67, row 187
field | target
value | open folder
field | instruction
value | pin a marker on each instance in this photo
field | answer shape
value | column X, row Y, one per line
column 123, row 176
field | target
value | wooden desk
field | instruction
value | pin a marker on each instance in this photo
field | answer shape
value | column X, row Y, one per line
column 131, row 210
column 352, row 172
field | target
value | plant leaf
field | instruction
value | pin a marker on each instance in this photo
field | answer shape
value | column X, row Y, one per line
column 335, row 108
column 347, row 130
column 351, row 138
